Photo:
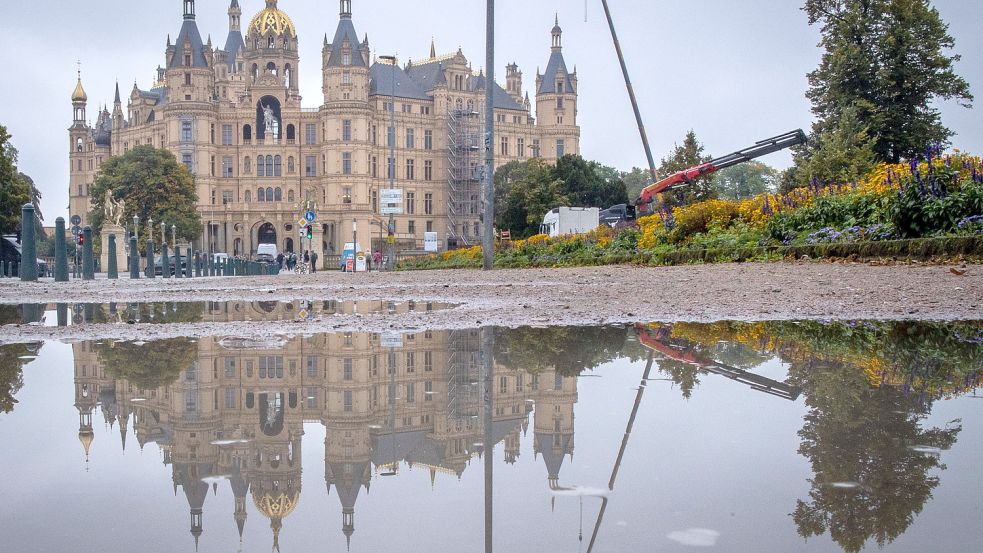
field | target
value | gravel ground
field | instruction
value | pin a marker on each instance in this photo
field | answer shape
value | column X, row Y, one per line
column 582, row 296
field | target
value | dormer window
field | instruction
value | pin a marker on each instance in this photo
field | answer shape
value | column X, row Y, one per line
column 559, row 85
column 346, row 77
column 187, row 60
column 346, row 58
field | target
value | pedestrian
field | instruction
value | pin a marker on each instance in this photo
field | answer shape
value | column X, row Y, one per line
column 377, row 258
column 279, row 260
column 313, row 262
column 307, row 256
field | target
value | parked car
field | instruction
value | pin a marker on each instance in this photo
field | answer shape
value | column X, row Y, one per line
column 266, row 253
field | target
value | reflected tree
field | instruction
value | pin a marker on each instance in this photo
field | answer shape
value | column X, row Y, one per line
column 867, row 449
column 11, row 372
column 571, row 350
column 148, row 366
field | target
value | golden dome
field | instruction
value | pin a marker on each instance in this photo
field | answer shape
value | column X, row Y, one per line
column 86, row 437
column 272, row 20
column 279, row 507
column 79, row 94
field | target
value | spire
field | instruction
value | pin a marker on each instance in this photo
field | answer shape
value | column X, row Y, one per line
column 235, row 16
column 557, row 35
column 433, row 49
column 346, row 9
column 117, row 101
column 79, row 94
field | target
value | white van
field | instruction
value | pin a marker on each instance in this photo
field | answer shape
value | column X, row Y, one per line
column 266, row 253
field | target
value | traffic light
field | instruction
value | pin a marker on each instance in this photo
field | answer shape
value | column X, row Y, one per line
column 310, row 232
column 81, row 240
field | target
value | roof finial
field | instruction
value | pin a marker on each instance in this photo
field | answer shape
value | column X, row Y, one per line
column 433, row 49
column 346, row 9
column 189, row 9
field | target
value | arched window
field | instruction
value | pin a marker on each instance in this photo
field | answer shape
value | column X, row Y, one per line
column 286, row 43
column 470, row 105
column 269, row 166
column 256, row 67
column 291, row 132
column 260, row 168
column 271, row 67
column 247, row 165
column 272, row 42
column 247, row 132
column 279, row 194
column 78, row 145
column 269, row 194
column 289, row 245
column 249, row 196
column 260, row 194
column 460, row 104
column 290, row 165
column 277, row 171
column 290, row 195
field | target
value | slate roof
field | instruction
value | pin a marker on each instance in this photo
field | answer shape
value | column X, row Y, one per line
column 502, row 98
column 346, row 30
column 381, row 82
column 189, row 33
column 233, row 45
column 557, row 67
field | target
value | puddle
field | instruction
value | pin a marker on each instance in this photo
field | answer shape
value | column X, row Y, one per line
column 755, row 436
column 205, row 312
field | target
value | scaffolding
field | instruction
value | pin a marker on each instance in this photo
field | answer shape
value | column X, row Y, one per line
column 465, row 169
column 463, row 377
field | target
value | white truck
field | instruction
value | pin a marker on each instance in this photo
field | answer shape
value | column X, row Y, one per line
column 570, row 220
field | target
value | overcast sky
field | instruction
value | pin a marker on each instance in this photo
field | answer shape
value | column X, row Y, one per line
column 732, row 71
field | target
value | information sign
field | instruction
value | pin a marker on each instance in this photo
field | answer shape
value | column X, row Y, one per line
column 76, row 220
column 430, row 242
column 391, row 340
column 391, row 201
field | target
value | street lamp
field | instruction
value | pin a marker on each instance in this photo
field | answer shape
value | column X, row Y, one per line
column 150, row 228
column 174, row 234
column 136, row 227
column 391, row 235
column 163, row 233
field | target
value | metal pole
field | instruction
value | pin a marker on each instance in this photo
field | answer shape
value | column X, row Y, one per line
column 391, row 235
column 631, row 93
column 488, row 352
column 488, row 230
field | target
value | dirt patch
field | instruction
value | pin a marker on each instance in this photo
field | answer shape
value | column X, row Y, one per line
column 584, row 296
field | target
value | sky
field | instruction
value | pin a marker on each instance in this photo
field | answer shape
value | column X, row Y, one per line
column 734, row 72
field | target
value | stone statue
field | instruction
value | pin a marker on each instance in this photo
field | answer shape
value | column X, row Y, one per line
column 113, row 209
column 269, row 121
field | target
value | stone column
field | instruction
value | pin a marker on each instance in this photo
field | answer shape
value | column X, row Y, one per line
column 165, row 261
column 150, row 260
column 112, row 267
column 134, row 259
column 121, row 261
column 88, row 263
column 178, row 270
column 61, row 251
column 28, row 248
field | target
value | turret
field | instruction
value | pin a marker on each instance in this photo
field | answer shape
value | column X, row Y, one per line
column 556, row 103
column 79, row 101
column 513, row 81
column 117, row 110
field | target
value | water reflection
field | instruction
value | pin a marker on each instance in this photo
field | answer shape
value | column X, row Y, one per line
column 229, row 413
column 221, row 311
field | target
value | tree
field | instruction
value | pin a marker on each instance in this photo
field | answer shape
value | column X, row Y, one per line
column 888, row 61
column 11, row 372
column 14, row 192
column 745, row 180
column 689, row 154
column 148, row 366
column 588, row 183
column 635, row 181
column 152, row 183
column 526, row 191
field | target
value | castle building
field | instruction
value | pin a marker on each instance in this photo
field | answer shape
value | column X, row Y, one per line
column 235, row 118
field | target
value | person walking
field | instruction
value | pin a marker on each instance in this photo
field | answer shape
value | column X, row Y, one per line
column 279, row 260
column 313, row 262
column 377, row 259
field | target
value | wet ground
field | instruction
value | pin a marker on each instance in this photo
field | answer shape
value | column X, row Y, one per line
column 731, row 436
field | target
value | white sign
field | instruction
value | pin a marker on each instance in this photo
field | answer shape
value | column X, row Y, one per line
column 392, row 340
column 391, row 201
column 360, row 266
column 430, row 242
column 391, row 195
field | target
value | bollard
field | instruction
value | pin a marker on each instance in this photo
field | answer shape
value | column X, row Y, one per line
column 63, row 307
column 61, row 251
column 89, row 312
column 28, row 248
column 190, row 263
column 198, row 265
column 113, row 309
column 88, row 267
column 134, row 259
column 112, row 272
column 178, row 269
column 165, row 261
column 151, row 272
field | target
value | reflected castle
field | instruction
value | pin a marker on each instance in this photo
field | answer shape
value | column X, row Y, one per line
column 234, row 409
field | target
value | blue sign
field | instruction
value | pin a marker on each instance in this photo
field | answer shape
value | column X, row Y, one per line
column 310, row 216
